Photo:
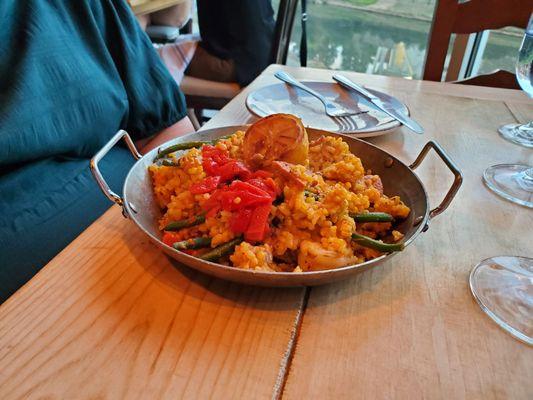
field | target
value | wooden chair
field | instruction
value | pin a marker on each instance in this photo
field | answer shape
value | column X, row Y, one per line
column 465, row 17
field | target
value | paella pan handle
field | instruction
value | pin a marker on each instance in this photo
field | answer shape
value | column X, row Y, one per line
column 101, row 153
column 452, row 167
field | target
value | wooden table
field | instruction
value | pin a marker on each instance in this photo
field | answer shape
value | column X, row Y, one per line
column 111, row 317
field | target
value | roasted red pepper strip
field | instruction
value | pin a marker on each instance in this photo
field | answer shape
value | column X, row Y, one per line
column 249, row 187
column 258, row 224
column 237, row 199
column 169, row 238
column 212, row 158
column 241, row 220
column 212, row 212
column 216, row 162
column 273, row 187
column 261, row 173
column 212, row 204
column 205, row 186
column 267, row 185
column 231, row 170
column 218, row 155
column 250, row 198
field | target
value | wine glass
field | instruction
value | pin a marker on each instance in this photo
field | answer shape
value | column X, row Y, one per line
column 522, row 134
column 515, row 181
column 503, row 286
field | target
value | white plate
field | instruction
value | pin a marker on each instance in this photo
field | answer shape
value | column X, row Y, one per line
column 283, row 98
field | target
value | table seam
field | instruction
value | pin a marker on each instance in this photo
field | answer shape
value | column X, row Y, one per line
column 511, row 111
column 286, row 362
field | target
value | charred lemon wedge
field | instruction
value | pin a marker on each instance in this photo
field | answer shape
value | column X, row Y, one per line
column 280, row 137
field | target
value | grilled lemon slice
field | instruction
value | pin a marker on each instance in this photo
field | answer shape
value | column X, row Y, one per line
column 278, row 137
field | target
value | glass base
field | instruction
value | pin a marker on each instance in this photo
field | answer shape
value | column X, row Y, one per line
column 503, row 288
column 521, row 134
column 511, row 182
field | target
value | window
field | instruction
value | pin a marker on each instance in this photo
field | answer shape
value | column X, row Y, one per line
column 374, row 36
column 387, row 37
column 501, row 50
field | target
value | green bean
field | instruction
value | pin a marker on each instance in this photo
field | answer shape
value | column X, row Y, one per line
column 222, row 138
column 186, row 146
column 222, row 250
column 185, row 223
column 177, row 147
column 378, row 245
column 169, row 163
column 372, row 217
column 196, row 243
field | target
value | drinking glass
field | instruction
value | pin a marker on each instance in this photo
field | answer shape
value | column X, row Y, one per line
column 503, row 286
column 515, row 181
column 522, row 134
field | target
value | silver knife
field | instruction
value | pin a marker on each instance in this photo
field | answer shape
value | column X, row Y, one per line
column 380, row 104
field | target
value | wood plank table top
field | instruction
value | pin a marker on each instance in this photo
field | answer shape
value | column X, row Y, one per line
column 111, row 317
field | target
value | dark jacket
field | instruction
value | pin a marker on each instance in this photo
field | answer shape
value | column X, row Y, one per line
column 240, row 30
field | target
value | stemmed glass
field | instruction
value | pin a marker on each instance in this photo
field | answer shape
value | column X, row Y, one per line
column 503, row 286
column 515, row 181
column 522, row 134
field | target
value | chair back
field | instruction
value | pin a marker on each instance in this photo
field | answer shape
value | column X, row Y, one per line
column 471, row 16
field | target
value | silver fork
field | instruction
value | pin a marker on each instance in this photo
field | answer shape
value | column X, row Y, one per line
column 332, row 109
column 346, row 124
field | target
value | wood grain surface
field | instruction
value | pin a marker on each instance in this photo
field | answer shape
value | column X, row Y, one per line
column 410, row 328
column 111, row 317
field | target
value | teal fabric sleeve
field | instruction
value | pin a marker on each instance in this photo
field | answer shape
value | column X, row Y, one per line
column 50, row 203
column 154, row 99
column 72, row 73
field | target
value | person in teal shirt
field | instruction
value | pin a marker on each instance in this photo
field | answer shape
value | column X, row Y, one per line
column 72, row 73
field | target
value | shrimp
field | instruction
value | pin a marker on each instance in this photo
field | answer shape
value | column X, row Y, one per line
column 313, row 257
